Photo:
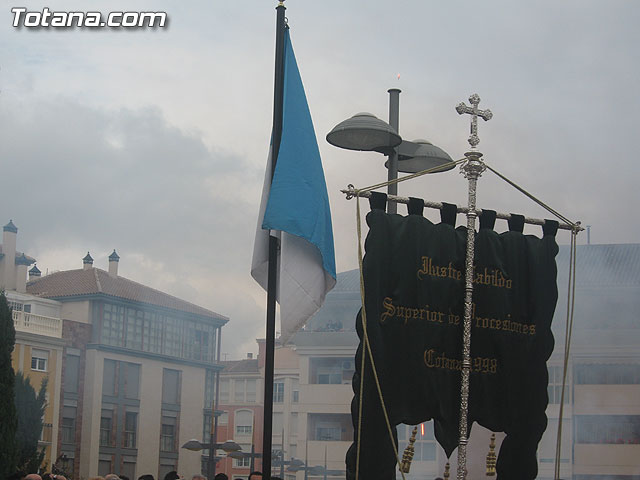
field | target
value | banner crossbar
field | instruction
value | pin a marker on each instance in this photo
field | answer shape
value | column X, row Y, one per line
column 351, row 192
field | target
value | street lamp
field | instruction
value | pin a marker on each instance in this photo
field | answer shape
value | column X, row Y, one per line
column 228, row 446
column 366, row 132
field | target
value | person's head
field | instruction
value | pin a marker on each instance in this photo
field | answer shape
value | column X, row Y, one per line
column 148, row 476
column 255, row 476
column 33, row 476
column 111, row 476
column 172, row 475
column 58, row 477
column 199, row 476
column 124, row 477
column 219, row 476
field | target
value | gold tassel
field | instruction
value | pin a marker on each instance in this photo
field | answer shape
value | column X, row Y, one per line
column 407, row 456
column 446, row 471
column 491, row 457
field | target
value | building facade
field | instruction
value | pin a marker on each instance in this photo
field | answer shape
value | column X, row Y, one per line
column 129, row 368
column 134, row 370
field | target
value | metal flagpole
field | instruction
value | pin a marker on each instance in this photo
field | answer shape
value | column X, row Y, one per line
column 472, row 170
column 273, row 248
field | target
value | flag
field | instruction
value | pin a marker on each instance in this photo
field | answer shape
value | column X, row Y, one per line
column 295, row 204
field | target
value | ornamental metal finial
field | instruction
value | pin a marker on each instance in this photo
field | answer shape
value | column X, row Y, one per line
column 491, row 457
column 475, row 113
column 407, row 456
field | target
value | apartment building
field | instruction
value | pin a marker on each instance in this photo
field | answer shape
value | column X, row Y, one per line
column 130, row 369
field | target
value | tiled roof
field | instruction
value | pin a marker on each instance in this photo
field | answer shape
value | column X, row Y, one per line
column 248, row 365
column 71, row 283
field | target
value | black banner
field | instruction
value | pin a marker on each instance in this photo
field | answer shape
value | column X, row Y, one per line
column 414, row 273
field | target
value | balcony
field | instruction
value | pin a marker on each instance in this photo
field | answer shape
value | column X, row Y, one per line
column 38, row 324
column 608, row 459
column 46, row 435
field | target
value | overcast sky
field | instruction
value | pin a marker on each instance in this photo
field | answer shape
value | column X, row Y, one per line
column 154, row 141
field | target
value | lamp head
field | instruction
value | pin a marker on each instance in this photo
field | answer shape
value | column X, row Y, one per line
column 421, row 155
column 193, row 445
column 365, row 132
column 230, row 446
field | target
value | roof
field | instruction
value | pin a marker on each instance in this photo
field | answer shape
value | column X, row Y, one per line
column 247, row 365
column 73, row 283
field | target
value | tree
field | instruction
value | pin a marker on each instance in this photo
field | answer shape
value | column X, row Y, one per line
column 8, row 419
column 30, row 410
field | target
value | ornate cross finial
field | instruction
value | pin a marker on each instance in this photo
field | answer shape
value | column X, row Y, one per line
column 475, row 113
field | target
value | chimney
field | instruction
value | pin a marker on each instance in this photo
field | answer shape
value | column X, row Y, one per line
column 22, row 263
column 249, row 356
column 87, row 262
column 34, row 273
column 113, row 263
column 8, row 270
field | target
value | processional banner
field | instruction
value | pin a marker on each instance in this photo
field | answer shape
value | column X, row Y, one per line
column 414, row 276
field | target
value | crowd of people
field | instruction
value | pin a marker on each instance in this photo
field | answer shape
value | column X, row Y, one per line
column 112, row 476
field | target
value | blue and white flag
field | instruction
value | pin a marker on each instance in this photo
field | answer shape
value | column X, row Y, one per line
column 296, row 204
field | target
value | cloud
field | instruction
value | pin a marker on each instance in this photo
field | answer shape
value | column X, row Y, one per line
column 91, row 179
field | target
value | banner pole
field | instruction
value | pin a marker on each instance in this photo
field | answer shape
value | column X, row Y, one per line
column 472, row 170
column 273, row 249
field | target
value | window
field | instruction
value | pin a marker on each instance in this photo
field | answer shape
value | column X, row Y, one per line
column 106, row 428
column 607, row 374
column 554, row 389
column 224, row 392
column 104, row 467
column 209, row 388
column 68, row 426
column 243, row 462
column 244, row 390
column 168, row 434
column 109, row 378
column 132, row 380
column 295, row 393
column 328, row 432
column 71, row 369
column 331, row 371
column 278, row 392
column 244, row 422
column 171, row 386
column 238, row 391
column 607, row 429
column 130, row 429
column 251, row 391
column 15, row 306
column 39, row 360
column 128, row 467
column 328, row 427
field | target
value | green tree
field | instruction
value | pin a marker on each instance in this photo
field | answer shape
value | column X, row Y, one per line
column 8, row 419
column 30, row 410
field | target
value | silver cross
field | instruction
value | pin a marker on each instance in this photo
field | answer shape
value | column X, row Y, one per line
column 475, row 113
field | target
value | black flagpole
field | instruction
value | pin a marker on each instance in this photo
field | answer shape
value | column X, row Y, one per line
column 273, row 249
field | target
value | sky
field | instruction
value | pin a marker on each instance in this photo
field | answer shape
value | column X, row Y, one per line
column 154, row 141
